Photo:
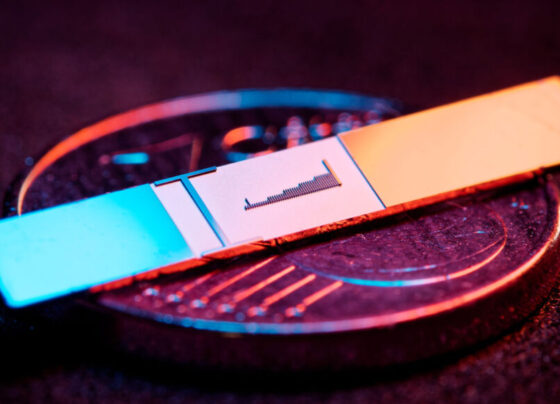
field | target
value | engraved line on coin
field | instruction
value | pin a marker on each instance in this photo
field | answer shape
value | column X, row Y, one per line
column 198, row 281
column 141, row 154
column 270, row 300
column 441, row 264
column 298, row 309
column 203, row 301
column 245, row 293
column 384, row 283
column 177, row 296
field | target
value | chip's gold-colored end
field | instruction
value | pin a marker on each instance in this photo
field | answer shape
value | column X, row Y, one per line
column 457, row 146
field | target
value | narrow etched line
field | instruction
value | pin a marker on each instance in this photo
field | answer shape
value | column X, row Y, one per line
column 299, row 309
column 218, row 231
column 309, row 300
column 177, row 296
column 244, row 294
column 232, row 280
column 203, row 301
column 270, row 300
column 239, row 296
column 198, row 281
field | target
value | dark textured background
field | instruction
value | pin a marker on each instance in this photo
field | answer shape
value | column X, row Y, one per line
column 63, row 66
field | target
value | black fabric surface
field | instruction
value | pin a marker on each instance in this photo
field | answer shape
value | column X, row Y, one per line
column 65, row 65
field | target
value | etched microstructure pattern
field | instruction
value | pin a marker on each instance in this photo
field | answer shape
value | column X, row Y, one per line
column 318, row 183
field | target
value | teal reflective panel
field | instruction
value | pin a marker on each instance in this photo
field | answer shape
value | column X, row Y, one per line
column 72, row 247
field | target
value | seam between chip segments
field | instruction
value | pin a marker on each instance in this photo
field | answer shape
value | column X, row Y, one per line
column 195, row 196
column 360, row 170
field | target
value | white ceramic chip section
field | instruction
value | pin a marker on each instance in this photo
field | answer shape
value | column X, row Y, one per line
column 226, row 190
column 190, row 222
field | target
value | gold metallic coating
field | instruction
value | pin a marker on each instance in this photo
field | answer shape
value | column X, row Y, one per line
column 449, row 150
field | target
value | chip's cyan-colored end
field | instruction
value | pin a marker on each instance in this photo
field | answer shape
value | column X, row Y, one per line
column 69, row 248
column 445, row 149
